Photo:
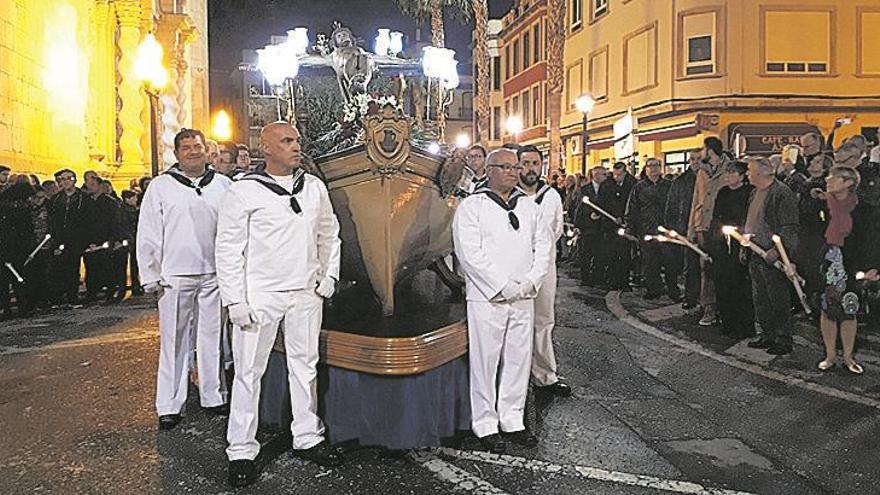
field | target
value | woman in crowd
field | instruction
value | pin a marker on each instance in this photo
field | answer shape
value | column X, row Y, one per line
column 843, row 255
column 734, row 290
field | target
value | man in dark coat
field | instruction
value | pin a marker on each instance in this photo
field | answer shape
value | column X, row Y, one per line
column 677, row 215
column 589, row 223
column 772, row 210
column 101, row 224
column 613, row 196
column 644, row 213
column 15, row 227
column 67, row 222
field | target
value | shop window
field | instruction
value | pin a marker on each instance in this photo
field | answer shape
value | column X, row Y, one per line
column 797, row 42
column 576, row 15
column 496, row 73
column 600, row 8
column 536, row 36
column 676, row 162
column 527, row 51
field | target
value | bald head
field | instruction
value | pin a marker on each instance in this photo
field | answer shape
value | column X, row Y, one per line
column 502, row 169
column 280, row 144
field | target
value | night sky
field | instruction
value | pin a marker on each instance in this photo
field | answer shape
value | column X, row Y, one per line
column 236, row 25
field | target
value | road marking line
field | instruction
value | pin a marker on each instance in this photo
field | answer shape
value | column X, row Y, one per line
column 459, row 478
column 593, row 473
column 112, row 338
column 612, row 301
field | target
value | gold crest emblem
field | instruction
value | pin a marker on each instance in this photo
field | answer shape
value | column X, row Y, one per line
column 387, row 138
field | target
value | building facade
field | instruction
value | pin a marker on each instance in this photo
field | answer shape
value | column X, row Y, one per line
column 755, row 73
column 69, row 96
column 522, row 71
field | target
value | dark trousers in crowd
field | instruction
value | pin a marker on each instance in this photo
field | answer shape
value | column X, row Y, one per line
column 617, row 259
column 592, row 272
column 692, row 275
column 771, row 300
column 657, row 258
column 36, row 276
column 65, row 270
column 734, row 293
column 101, row 268
column 5, row 289
column 133, row 271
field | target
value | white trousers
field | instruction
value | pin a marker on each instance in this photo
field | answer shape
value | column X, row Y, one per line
column 299, row 314
column 188, row 310
column 500, row 353
column 543, row 357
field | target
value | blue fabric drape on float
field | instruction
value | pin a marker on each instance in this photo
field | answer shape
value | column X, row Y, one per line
column 396, row 412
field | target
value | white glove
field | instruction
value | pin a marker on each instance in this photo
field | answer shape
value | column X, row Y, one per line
column 152, row 287
column 511, row 291
column 326, row 287
column 527, row 290
column 241, row 315
column 875, row 154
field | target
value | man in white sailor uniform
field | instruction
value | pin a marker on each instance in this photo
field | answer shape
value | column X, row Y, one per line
column 278, row 254
column 504, row 254
column 550, row 205
column 175, row 249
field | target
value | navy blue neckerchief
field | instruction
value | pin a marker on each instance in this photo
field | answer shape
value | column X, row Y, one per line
column 543, row 188
column 508, row 205
column 175, row 173
column 267, row 181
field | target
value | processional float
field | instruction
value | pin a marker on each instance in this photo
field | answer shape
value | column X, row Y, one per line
column 394, row 337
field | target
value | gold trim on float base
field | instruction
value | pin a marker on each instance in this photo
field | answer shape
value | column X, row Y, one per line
column 395, row 356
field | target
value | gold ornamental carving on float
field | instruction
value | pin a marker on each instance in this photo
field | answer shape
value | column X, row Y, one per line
column 386, row 139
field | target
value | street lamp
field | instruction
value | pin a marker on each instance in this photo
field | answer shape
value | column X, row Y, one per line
column 462, row 140
column 514, row 125
column 280, row 64
column 149, row 69
column 440, row 64
column 585, row 104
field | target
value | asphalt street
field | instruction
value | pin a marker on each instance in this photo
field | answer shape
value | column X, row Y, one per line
column 660, row 406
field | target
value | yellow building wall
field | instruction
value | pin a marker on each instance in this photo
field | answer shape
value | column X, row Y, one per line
column 45, row 62
column 58, row 84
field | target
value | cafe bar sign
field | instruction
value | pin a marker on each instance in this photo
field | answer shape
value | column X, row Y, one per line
column 765, row 139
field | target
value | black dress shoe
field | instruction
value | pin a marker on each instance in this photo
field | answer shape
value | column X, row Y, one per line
column 221, row 410
column 169, row 421
column 760, row 343
column 242, row 472
column 522, row 437
column 779, row 349
column 559, row 389
column 493, row 443
column 322, row 454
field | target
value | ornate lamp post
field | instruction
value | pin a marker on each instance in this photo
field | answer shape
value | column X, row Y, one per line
column 585, row 104
column 149, row 69
column 440, row 64
column 280, row 64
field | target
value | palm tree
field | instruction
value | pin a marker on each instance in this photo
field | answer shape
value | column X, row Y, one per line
column 481, row 66
column 555, row 80
column 419, row 9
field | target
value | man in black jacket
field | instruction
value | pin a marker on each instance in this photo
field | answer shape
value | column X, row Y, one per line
column 613, row 195
column 677, row 215
column 589, row 223
column 644, row 213
column 101, row 223
column 67, row 221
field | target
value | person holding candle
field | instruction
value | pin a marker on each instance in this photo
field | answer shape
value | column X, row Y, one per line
column 772, row 211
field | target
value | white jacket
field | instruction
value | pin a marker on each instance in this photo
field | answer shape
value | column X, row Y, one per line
column 492, row 252
column 177, row 227
column 264, row 246
column 550, row 207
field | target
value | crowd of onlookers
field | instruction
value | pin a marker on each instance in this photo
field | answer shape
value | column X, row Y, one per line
column 57, row 234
